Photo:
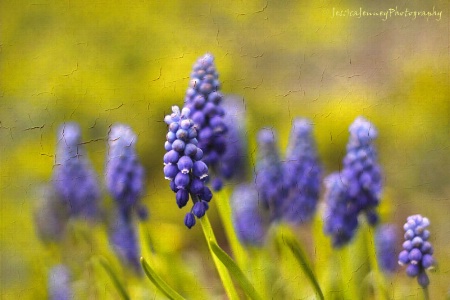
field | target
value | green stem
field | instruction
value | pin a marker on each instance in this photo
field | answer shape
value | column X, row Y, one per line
column 234, row 269
column 159, row 283
column 286, row 237
column 349, row 282
column 371, row 249
column 224, row 209
column 221, row 269
column 117, row 283
column 258, row 269
column 426, row 294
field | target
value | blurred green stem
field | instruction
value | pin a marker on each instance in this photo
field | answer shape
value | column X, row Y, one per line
column 258, row 268
column 221, row 269
column 380, row 286
column 426, row 294
column 348, row 281
column 224, row 209
column 286, row 237
column 115, row 279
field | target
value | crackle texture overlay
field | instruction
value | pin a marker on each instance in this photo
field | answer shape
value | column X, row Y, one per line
column 71, row 71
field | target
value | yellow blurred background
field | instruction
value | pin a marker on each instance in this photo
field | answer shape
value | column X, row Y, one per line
column 101, row 62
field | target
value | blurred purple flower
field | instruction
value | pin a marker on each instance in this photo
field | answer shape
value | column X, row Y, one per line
column 124, row 173
column 248, row 215
column 75, row 181
column 59, row 283
column 361, row 173
column 233, row 163
column 269, row 174
column 124, row 239
column 386, row 241
column 302, row 174
column 341, row 213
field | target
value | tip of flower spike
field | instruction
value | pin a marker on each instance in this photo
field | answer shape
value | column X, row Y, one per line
column 176, row 110
column 121, row 134
column 208, row 58
column 266, row 136
column 302, row 126
column 363, row 130
column 70, row 134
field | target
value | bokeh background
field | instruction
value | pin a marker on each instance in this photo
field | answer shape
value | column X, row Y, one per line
column 102, row 62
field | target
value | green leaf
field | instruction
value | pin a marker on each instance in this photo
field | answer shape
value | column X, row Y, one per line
column 235, row 270
column 223, row 273
column 285, row 237
column 115, row 279
column 159, row 283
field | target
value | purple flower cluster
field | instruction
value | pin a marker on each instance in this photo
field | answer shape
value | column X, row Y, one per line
column 269, row 174
column 59, row 283
column 341, row 213
column 124, row 240
column 124, row 173
column 248, row 215
column 183, row 164
column 417, row 251
column 233, row 161
column 361, row 173
column 74, row 179
column 203, row 100
column 301, row 174
column 385, row 241
column 357, row 188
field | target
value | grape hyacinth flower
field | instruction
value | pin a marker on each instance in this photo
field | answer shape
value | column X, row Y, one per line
column 204, row 102
column 341, row 213
column 361, row 173
column 124, row 173
column 183, row 165
column 269, row 173
column 248, row 216
column 417, row 251
column 124, row 240
column 59, row 283
column 74, row 179
column 302, row 174
column 385, row 241
column 233, row 162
